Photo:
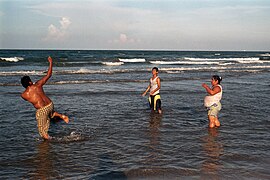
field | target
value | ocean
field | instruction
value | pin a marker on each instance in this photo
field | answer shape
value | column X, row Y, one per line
column 113, row 135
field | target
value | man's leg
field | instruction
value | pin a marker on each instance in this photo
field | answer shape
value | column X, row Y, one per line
column 46, row 136
column 43, row 123
column 61, row 116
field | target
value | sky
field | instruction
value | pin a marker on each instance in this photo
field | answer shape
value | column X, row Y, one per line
column 135, row 24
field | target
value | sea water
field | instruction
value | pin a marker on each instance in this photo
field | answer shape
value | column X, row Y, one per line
column 113, row 135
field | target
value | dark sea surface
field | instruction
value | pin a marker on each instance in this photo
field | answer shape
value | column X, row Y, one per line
column 113, row 135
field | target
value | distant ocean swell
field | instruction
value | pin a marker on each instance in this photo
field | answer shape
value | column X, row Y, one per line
column 115, row 71
column 253, row 69
column 175, row 60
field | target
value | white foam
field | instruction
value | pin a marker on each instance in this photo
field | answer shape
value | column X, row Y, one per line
column 223, row 59
column 226, row 64
column 80, row 71
column 134, row 60
column 12, row 59
column 73, row 137
column 113, row 63
column 100, row 71
column 11, row 73
column 77, row 62
column 266, row 54
column 174, row 72
column 80, row 82
column 182, row 62
column 249, row 61
column 70, row 82
column 213, row 68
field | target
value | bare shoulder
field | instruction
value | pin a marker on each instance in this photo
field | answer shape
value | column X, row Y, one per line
column 216, row 89
column 24, row 94
column 38, row 84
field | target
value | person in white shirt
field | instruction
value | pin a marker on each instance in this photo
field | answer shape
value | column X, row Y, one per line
column 154, row 87
column 212, row 101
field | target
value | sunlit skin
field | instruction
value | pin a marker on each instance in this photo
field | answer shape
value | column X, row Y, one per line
column 35, row 94
column 154, row 75
column 213, row 121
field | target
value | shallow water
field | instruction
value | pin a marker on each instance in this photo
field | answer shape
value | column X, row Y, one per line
column 113, row 135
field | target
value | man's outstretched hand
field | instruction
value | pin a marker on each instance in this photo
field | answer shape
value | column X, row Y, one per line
column 50, row 59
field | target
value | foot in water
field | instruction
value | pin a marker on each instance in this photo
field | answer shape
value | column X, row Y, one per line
column 65, row 118
column 61, row 116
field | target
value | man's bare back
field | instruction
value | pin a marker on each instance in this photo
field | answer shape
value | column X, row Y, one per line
column 35, row 95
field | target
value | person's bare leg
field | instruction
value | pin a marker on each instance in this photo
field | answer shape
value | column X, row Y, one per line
column 217, row 123
column 211, row 121
column 46, row 137
column 159, row 111
column 62, row 116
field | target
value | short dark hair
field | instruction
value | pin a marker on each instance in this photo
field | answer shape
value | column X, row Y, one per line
column 25, row 81
column 216, row 77
column 155, row 68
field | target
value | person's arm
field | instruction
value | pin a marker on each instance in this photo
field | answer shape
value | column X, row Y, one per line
column 23, row 96
column 210, row 91
column 42, row 81
column 147, row 89
column 158, row 88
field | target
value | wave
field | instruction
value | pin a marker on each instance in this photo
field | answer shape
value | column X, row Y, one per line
column 250, row 61
column 96, row 81
column 79, row 82
column 90, row 71
column 134, row 60
column 115, row 71
column 63, row 72
column 14, row 73
column 182, row 62
column 82, row 82
column 223, row 59
column 113, row 63
column 179, row 69
column 77, row 62
column 174, row 72
column 12, row 59
column 266, row 54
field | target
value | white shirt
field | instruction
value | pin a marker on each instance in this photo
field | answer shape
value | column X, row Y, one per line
column 214, row 99
column 154, row 85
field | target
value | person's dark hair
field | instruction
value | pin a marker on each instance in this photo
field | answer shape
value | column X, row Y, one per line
column 155, row 68
column 216, row 77
column 25, row 81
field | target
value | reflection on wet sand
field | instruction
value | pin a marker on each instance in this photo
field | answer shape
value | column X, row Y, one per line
column 43, row 162
column 150, row 168
column 213, row 149
column 154, row 138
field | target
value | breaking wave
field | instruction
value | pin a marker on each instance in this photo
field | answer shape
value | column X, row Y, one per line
column 11, row 59
column 134, row 60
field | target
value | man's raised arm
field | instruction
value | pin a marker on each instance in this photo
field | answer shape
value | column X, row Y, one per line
column 48, row 75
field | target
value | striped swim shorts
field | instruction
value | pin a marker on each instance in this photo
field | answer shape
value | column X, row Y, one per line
column 43, row 116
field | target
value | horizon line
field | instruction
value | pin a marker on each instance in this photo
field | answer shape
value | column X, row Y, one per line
column 84, row 49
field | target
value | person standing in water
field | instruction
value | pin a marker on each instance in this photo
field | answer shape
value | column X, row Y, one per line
column 35, row 94
column 212, row 101
column 154, row 87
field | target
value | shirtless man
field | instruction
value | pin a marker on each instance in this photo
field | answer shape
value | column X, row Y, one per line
column 34, row 94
